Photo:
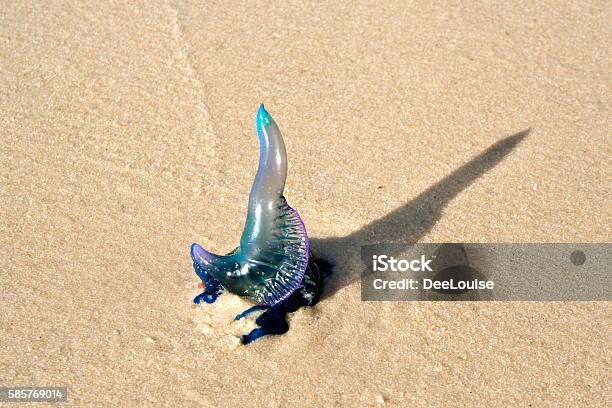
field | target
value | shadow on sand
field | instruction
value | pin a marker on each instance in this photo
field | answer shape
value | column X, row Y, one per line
column 408, row 223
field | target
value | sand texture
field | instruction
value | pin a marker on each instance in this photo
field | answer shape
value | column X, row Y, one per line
column 128, row 132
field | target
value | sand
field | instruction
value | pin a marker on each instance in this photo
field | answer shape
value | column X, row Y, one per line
column 127, row 133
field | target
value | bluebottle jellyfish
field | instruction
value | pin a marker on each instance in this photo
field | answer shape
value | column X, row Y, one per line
column 273, row 266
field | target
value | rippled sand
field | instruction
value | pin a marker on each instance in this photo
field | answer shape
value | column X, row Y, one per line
column 127, row 133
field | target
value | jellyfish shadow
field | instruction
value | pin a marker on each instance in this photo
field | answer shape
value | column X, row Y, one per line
column 409, row 223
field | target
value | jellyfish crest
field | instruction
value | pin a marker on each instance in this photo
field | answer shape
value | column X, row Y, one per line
column 273, row 255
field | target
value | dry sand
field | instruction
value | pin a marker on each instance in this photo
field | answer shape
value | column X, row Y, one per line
column 127, row 133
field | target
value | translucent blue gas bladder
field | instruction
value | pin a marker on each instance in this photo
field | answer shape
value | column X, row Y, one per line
column 270, row 263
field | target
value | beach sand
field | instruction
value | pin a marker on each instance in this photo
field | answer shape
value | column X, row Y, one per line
column 128, row 132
